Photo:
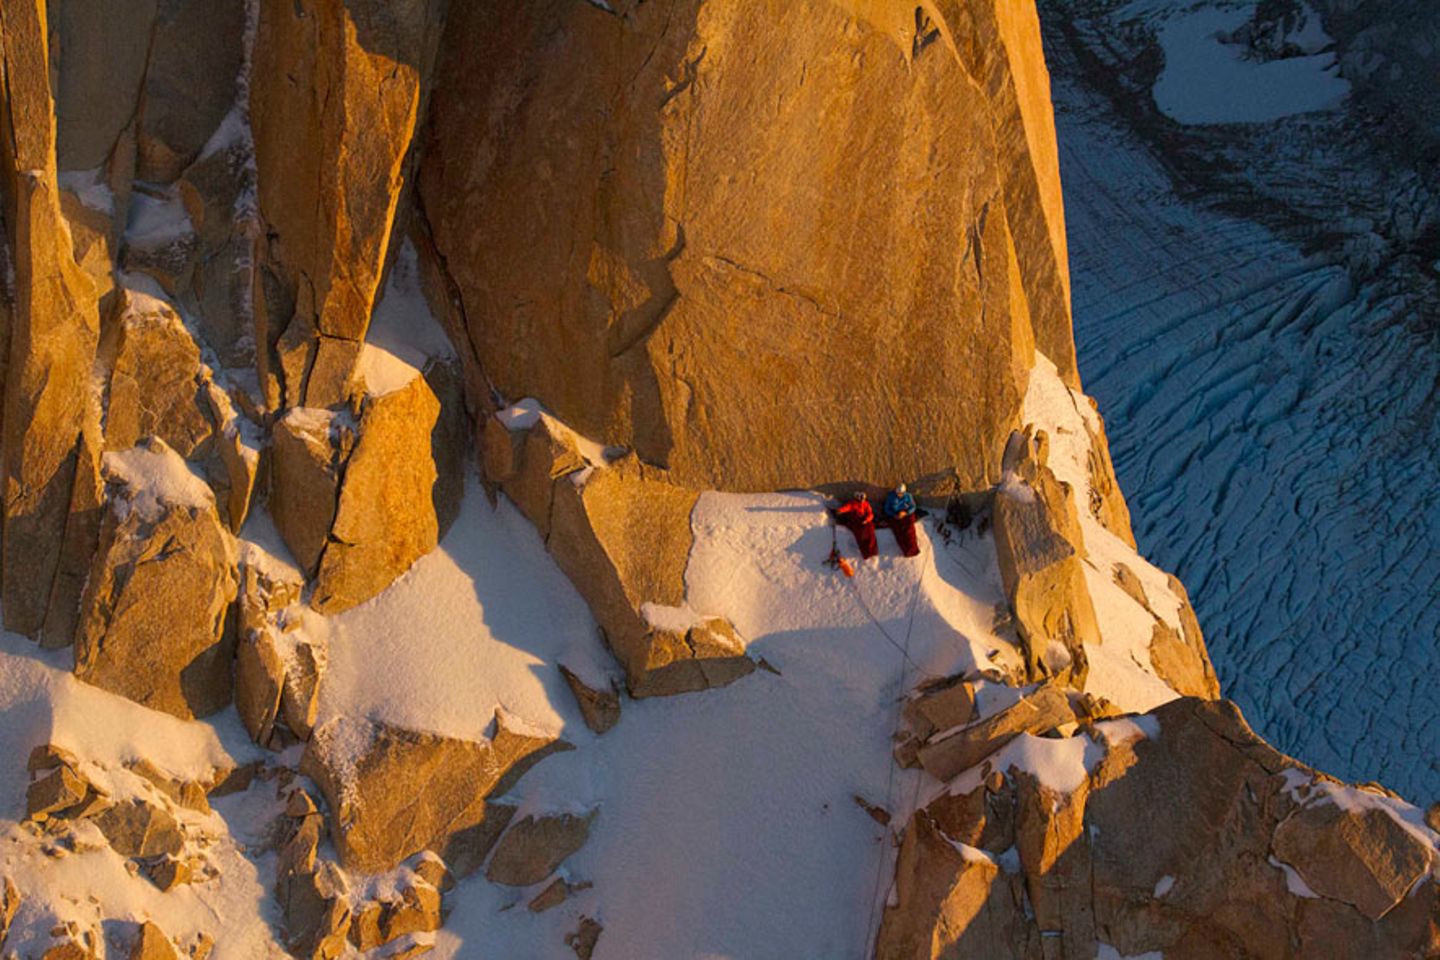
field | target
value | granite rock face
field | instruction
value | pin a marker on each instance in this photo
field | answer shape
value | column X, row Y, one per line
column 156, row 381
column 662, row 274
column 309, row 451
column 146, row 81
column 677, row 247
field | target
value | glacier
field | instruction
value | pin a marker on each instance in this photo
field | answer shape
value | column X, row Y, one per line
column 1256, row 313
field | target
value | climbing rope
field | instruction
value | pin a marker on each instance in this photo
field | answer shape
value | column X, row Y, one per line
column 871, row 926
column 890, row 639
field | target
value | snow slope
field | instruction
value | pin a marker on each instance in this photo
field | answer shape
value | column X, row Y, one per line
column 1254, row 314
column 726, row 821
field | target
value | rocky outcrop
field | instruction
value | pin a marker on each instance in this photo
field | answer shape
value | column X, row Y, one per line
column 235, row 472
column 136, row 828
column 1364, row 857
column 259, row 678
column 336, row 98
column 152, row 944
column 277, row 668
column 1184, row 662
column 156, row 381
column 397, row 919
column 599, row 708
column 313, row 894
column 555, row 893
column 1107, row 503
column 393, row 792
column 527, row 459
column 9, row 904
column 1184, row 668
column 60, row 793
column 158, row 385
column 939, row 706
column 534, row 847
column 621, row 531
column 69, row 941
column 943, row 887
column 317, row 912
column 385, row 515
column 153, row 616
column 141, row 821
column 1040, row 550
column 356, row 499
column 946, row 754
column 583, row 938
column 1196, row 840
column 632, row 297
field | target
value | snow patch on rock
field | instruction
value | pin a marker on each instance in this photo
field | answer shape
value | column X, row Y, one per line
column 155, row 478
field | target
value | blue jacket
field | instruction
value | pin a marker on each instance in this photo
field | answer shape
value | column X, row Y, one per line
column 898, row 503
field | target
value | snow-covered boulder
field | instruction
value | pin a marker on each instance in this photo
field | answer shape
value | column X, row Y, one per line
column 950, row 752
column 622, row 533
column 152, row 619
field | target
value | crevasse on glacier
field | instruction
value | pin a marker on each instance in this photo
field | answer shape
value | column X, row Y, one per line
column 1255, row 312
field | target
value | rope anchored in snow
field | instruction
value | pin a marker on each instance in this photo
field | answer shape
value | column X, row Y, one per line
column 872, row 930
column 905, row 649
column 835, row 561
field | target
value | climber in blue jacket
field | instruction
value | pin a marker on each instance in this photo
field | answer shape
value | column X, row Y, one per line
column 899, row 511
column 899, row 504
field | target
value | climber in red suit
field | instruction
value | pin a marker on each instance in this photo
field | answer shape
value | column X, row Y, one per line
column 859, row 518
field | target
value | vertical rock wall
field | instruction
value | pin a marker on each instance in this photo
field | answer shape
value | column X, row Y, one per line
column 53, row 333
column 857, row 203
